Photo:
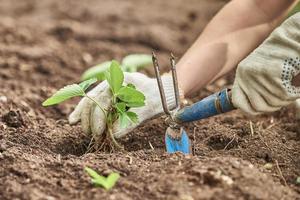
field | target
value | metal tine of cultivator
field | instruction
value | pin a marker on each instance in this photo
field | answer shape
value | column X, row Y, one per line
column 160, row 85
column 175, row 82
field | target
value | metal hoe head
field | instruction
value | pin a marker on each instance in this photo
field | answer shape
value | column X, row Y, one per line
column 160, row 85
column 176, row 139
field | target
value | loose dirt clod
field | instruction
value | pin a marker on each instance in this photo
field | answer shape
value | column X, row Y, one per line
column 3, row 99
column 13, row 119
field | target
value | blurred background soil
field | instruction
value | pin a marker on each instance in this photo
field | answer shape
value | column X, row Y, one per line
column 47, row 44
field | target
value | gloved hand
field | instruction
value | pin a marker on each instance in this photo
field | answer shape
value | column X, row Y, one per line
column 297, row 107
column 92, row 118
column 263, row 79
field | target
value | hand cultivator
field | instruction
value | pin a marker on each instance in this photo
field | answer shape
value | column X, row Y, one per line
column 176, row 138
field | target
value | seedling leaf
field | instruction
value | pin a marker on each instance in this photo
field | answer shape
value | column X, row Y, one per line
column 86, row 84
column 96, row 71
column 131, row 96
column 102, row 181
column 111, row 180
column 121, row 107
column 116, row 77
column 124, row 120
column 68, row 92
column 63, row 94
column 107, row 77
column 131, row 85
column 130, row 63
column 133, row 116
column 134, row 62
column 298, row 180
column 93, row 174
column 135, row 104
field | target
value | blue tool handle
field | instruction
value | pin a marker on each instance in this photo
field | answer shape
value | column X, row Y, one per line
column 212, row 105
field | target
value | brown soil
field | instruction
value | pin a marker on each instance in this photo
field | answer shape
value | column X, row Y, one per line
column 47, row 44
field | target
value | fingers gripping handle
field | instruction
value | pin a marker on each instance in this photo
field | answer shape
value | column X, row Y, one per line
column 212, row 105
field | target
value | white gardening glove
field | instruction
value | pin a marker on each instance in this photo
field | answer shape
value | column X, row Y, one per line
column 263, row 79
column 297, row 107
column 92, row 118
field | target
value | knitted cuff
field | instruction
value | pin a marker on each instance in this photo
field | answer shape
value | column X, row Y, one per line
column 297, row 106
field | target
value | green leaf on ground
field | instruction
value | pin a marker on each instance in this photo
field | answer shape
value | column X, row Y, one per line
column 68, row 92
column 115, row 77
column 96, row 71
column 131, row 96
column 105, row 182
column 134, row 62
column 93, row 174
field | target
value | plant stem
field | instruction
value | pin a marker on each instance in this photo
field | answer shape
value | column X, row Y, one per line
column 114, row 99
column 92, row 99
column 113, row 139
column 108, row 123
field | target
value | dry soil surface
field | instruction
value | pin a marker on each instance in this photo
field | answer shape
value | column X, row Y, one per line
column 47, row 44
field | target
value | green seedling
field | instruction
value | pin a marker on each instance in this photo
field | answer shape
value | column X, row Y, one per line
column 130, row 63
column 298, row 180
column 124, row 97
column 101, row 181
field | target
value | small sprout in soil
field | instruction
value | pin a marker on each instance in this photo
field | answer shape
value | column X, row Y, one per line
column 131, row 63
column 298, row 180
column 124, row 97
column 101, row 181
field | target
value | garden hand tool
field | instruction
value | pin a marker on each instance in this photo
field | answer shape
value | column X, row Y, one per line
column 176, row 138
column 212, row 105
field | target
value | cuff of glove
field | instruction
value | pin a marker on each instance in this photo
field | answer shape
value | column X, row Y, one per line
column 168, row 85
column 297, row 107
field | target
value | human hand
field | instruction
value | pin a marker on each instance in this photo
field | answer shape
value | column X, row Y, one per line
column 263, row 80
column 93, row 119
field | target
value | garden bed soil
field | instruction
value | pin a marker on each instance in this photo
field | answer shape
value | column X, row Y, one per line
column 47, row 44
